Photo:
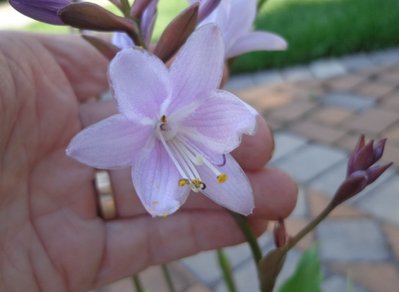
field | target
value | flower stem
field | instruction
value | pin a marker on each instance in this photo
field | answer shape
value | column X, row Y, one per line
column 249, row 235
column 225, row 266
column 137, row 284
column 293, row 241
column 168, row 278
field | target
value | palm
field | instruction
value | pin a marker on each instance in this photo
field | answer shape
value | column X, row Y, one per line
column 50, row 228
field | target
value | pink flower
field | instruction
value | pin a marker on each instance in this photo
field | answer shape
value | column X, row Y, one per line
column 175, row 127
column 235, row 19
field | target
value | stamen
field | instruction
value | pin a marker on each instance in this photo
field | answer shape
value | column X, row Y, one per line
column 222, row 178
column 183, row 182
column 224, row 161
column 163, row 119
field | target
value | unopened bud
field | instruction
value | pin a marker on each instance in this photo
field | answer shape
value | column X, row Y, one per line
column 206, row 8
column 280, row 234
column 352, row 185
column 376, row 171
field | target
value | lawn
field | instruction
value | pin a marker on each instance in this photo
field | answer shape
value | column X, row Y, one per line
column 313, row 28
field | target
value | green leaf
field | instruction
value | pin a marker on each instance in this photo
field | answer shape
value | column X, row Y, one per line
column 307, row 276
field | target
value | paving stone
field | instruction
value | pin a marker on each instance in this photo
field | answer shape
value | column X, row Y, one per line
column 285, row 143
column 356, row 62
column 245, row 277
column 374, row 89
column 204, row 266
column 301, row 208
column 391, row 154
column 307, row 163
column 393, row 134
column 240, row 82
column 351, row 240
column 345, row 82
column 330, row 116
column 337, row 283
column 297, row 73
column 327, row 68
column 264, row 98
column 390, row 77
column 196, row 288
column 378, row 277
column 383, row 202
column 294, row 226
column 317, row 203
column 372, row 121
column 320, row 133
column 388, row 57
column 391, row 101
column 347, row 100
column 328, row 182
column 292, row 111
column 392, row 234
column 268, row 77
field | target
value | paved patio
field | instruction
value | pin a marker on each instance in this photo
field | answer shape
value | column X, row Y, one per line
column 317, row 113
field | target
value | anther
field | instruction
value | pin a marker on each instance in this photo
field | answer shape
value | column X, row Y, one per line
column 163, row 119
column 183, row 182
column 222, row 178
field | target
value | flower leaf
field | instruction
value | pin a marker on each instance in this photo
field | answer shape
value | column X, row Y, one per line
column 107, row 49
column 94, row 17
column 270, row 267
column 307, row 276
column 176, row 33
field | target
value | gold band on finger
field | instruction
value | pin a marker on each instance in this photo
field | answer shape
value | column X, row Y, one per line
column 106, row 200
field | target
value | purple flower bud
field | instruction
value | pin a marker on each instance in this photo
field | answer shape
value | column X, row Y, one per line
column 379, row 149
column 42, row 10
column 376, row 171
column 352, row 185
column 206, row 8
column 280, row 234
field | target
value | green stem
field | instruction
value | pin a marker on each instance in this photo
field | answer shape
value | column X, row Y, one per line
column 137, row 284
column 249, row 235
column 168, row 278
column 225, row 266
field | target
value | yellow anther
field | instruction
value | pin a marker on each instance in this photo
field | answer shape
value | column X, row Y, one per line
column 163, row 119
column 183, row 182
column 222, row 178
column 164, row 215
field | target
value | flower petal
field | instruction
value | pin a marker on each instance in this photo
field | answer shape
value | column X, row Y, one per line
column 240, row 20
column 219, row 122
column 155, row 179
column 198, row 67
column 140, row 82
column 42, row 10
column 256, row 41
column 235, row 194
column 122, row 40
column 110, row 143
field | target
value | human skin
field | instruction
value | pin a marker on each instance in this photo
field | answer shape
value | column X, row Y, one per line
column 51, row 238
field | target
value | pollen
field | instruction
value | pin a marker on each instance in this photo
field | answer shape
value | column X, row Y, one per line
column 183, row 182
column 222, row 178
column 197, row 183
column 163, row 119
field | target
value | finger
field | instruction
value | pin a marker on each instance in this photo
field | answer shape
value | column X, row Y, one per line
column 137, row 243
column 254, row 152
column 84, row 66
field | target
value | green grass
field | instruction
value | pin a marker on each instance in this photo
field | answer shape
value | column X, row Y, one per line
column 324, row 28
column 313, row 28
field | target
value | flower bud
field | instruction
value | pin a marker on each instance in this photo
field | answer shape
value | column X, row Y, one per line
column 280, row 234
column 354, row 184
column 42, row 10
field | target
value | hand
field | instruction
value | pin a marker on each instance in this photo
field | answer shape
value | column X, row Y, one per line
column 51, row 238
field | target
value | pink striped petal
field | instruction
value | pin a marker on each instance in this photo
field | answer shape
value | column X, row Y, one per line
column 140, row 82
column 219, row 122
column 256, row 41
column 198, row 67
column 111, row 143
column 235, row 194
column 155, row 179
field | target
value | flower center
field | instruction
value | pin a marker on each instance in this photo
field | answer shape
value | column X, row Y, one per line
column 185, row 157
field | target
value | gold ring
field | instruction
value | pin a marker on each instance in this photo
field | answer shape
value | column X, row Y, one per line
column 106, row 200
